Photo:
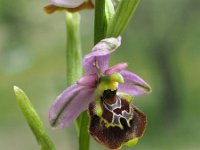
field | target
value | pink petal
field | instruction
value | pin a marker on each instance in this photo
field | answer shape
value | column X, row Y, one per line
column 88, row 80
column 67, row 3
column 133, row 85
column 98, row 59
column 116, row 68
column 69, row 104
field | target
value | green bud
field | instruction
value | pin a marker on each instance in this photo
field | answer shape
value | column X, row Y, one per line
column 33, row 120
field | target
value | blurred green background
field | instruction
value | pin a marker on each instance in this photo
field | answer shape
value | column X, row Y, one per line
column 161, row 44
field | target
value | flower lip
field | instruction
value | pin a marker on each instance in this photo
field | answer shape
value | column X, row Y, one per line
column 112, row 136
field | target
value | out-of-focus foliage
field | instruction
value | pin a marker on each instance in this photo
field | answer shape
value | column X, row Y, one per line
column 161, row 44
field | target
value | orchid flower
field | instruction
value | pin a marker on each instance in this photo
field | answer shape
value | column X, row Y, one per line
column 107, row 93
column 69, row 5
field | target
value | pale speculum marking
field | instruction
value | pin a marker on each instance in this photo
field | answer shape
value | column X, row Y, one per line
column 119, row 108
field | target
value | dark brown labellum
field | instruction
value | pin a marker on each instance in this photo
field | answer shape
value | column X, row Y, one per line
column 119, row 123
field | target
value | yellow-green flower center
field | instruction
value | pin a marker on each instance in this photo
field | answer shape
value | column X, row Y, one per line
column 109, row 82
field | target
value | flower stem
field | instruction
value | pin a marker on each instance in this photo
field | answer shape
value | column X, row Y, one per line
column 74, row 71
column 84, row 138
column 73, row 51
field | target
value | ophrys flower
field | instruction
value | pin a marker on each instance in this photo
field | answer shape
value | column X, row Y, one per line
column 108, row 93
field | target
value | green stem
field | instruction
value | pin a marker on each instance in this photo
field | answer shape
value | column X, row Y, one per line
column 74, row 72
column 84, row 138
column 73, row 51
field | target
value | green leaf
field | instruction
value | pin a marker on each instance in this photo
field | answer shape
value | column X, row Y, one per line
column 124, row 13
column 33, row 120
